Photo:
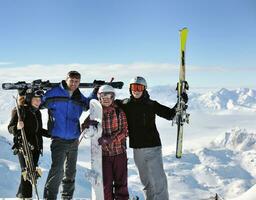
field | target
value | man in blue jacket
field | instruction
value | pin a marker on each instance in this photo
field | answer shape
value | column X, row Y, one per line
column 65, row 104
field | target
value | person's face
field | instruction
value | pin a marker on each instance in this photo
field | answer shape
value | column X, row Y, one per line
column 35, row 102
column 106, row 99
column 137, row 90
column 72, row 83
column 136, row 94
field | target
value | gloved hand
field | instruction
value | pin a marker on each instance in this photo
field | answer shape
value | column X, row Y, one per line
column 38, row 172
column 184, row 96
column 96, row 89
column 22, row 92
column 105, row 140
column 17, row 143
column 97, row 84
column 176, row 107
column 88, row 122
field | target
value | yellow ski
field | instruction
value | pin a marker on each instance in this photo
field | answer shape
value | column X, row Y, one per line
column 182, row 86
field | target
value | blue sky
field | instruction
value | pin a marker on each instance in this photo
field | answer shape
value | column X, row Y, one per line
column 220, row 50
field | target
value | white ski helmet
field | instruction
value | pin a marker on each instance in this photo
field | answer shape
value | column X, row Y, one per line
column 106, row 89
column 139, row 80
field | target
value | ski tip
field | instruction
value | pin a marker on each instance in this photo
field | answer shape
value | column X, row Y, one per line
column 184, row 28
column 178, row 156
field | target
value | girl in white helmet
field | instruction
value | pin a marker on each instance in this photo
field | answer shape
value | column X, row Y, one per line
column 113, row 143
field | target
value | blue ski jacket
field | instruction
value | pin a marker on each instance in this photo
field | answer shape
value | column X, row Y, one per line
column 64, row 111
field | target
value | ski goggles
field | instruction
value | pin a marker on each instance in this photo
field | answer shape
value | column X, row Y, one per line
column 137, row 87
column 38, row 93
column 107, row 95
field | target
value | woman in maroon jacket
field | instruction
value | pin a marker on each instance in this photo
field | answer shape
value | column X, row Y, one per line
column 32, row 124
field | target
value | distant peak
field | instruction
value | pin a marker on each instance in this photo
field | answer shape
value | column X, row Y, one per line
column 236, row 139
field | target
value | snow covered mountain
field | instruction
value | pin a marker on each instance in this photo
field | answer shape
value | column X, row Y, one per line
column 222, row 99
column 243, row 98
column 237, row 139
column 225, row 165
column 248, row 195
column 214, row 168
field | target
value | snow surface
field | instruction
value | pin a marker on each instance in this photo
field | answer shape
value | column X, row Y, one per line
column 219, row 148
column 248, row 195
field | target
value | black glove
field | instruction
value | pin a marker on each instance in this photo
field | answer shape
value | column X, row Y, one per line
column 184, row 96
column 105, row 140
column 97, row 84
column 175, row 106
column 22, row 92
column 93, row 123
column 17, row 143
column 87, row 123
column 96, row 89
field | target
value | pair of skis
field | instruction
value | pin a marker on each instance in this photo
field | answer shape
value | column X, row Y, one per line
column 45, row 85
column 95, row 175
column 30, row 172
column 182, row 86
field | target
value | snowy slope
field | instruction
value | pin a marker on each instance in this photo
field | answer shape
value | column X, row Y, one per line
column 248, row 195
column 224, row 164
column 219, row 167
column 214, row 168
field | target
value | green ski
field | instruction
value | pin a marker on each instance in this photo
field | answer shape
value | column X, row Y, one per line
column 182, row 86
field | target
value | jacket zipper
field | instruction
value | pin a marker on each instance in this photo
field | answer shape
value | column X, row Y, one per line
column 37, row 127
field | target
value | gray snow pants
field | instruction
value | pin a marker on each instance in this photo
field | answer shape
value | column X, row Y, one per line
column 63, row 169
column 150, row 165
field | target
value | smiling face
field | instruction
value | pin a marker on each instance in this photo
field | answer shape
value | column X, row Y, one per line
column 72, row 83
column 35, row 102
column 137, row 90
column 136, row 94
column 106, row 99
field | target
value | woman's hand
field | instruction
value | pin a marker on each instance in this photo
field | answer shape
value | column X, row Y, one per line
column 20, row 125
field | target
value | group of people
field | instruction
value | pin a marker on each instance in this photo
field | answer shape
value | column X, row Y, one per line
column 133, row 117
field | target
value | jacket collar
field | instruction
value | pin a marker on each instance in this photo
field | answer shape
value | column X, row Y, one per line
column 76, row 94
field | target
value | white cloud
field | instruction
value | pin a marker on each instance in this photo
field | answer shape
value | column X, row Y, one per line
column 155, row 73
column 220, row 68
column 6, row 63
column 89, row 72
